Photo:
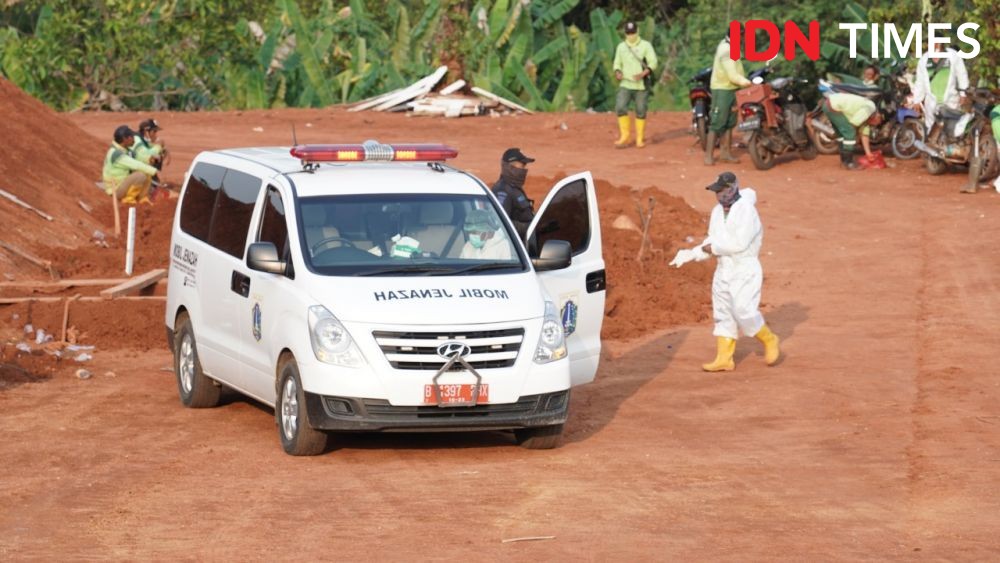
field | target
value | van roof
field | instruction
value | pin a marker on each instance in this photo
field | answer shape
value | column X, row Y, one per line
column 360, row 177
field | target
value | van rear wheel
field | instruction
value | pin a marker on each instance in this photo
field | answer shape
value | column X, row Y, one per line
column 196, row 390
column 540, row 438
column 292, row 416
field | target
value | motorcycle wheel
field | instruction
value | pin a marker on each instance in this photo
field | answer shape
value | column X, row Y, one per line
column 824, row 143
column 701, row 125
column 988, row 152
column 935, row 166
column 762, row 157
column 904, row 138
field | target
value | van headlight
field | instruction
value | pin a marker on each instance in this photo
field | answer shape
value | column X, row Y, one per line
column 552, row 340
column 331, row 342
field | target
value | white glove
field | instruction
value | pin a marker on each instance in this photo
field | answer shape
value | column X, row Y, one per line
column 699, row 254
column 683, row 256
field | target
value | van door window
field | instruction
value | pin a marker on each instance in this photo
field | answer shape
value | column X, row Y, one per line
column 199, row 199
column 566, row 218
column 273, row 227
column 233, row 212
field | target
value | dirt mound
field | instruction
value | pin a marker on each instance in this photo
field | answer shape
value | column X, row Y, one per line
column 51, row 164
column 646, row 294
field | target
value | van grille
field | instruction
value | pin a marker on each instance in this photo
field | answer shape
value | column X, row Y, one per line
column 418, row 350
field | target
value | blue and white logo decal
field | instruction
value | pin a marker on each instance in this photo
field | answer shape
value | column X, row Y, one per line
column 569, row 317
column 256, row 321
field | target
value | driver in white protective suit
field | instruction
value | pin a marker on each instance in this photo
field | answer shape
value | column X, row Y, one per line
column 734, row 235
column 941, row 80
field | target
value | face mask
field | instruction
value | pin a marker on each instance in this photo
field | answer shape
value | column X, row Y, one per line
column 731, row 199
column 868, row 82
column 632, row 39
column 477, row 240
column 513, row 176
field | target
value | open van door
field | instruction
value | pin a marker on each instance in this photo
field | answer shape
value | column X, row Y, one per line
column 570, row 213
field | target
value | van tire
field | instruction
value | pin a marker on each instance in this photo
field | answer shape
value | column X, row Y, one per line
column 196, row 390
column 539, row 438
column 291, row 415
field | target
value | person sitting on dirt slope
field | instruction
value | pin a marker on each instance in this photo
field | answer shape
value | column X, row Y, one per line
column 124, row 176
column 635, row 61
column 148, row 148
column 727, row 77
column 847, row 112
column 486, row 241
column 509, row 189
column 735, row 234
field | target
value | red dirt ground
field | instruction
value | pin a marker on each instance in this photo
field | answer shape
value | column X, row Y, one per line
column 875, row 437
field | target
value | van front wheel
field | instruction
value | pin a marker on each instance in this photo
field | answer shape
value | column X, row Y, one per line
column 196, row 390
column 291, row 415
column 540, row 438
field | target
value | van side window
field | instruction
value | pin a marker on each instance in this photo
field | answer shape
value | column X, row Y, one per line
column 567, row 218
column 233, row 212
column 199, row 199
column 273, row 227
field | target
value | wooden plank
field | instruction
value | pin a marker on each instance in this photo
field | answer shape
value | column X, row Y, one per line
column 134, row 284
column 417, row 89
column 24, row 204
column 499, row 100
column 91, row 299
column 65, row 324
column 44, row 264
column 453, row 87
column 63, row 283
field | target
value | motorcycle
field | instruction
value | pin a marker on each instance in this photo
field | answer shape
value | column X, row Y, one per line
column 700, row 94
column 963, row 138
column 775, row 116
column 901, row 126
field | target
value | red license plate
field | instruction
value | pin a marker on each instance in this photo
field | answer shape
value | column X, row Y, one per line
column 456, row 393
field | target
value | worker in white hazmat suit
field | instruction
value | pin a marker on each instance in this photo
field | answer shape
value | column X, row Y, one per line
column 940, row 81
column 734, row 236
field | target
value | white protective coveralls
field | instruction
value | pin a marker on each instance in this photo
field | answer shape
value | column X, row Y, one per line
column 958, row 79
column 736, row 238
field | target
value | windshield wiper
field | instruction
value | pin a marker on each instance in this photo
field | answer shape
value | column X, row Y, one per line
column 485, row 267
column 406, row 270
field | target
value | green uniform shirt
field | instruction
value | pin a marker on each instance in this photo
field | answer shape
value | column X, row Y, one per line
column 630, row 65
column 856, row 109
column 144, row 150
column 118, row 164
column 727, row 74
column 939, row 84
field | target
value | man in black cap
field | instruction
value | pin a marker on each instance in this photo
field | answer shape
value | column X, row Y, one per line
column 735, row 234
column 634, row 62
column 149, row 149
column 727, row 77
column 509, row 189
column 124, row 176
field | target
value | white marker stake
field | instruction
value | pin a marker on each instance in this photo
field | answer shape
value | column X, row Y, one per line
column 130, row 244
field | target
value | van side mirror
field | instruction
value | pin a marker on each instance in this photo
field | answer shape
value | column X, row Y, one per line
column 555, row 255
column 263, row 257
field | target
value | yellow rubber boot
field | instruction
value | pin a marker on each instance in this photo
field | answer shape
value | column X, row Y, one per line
column 131, row 195
column 640, row 133
column 770, row 340
column 623, row 128
column 724, row 356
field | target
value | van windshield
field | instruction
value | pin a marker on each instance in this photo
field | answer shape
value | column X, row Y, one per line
column 404, row 234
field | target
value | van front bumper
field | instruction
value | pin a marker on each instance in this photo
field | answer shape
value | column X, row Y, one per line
column 377, row 415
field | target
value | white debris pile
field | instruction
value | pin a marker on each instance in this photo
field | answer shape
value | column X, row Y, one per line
column 420, row 99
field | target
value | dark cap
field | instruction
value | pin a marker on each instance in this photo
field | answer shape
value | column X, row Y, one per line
column 515, row 155
column 630, row 27
column 123, row 132
column 725, row 180
column 149, row 125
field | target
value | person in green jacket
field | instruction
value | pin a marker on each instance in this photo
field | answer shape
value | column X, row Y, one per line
column 848, row 112
column 149, row 149
column 124, row 176
column 634, row 61
column 727, row 78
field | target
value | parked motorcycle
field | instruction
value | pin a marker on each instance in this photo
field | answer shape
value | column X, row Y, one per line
column 700, row 94
column 958, row 138
column 775, row 116
column 901, row 126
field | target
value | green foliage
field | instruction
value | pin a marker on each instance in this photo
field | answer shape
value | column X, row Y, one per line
column 546, row 54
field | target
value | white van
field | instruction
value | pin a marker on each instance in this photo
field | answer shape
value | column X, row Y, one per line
column 374, row 288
